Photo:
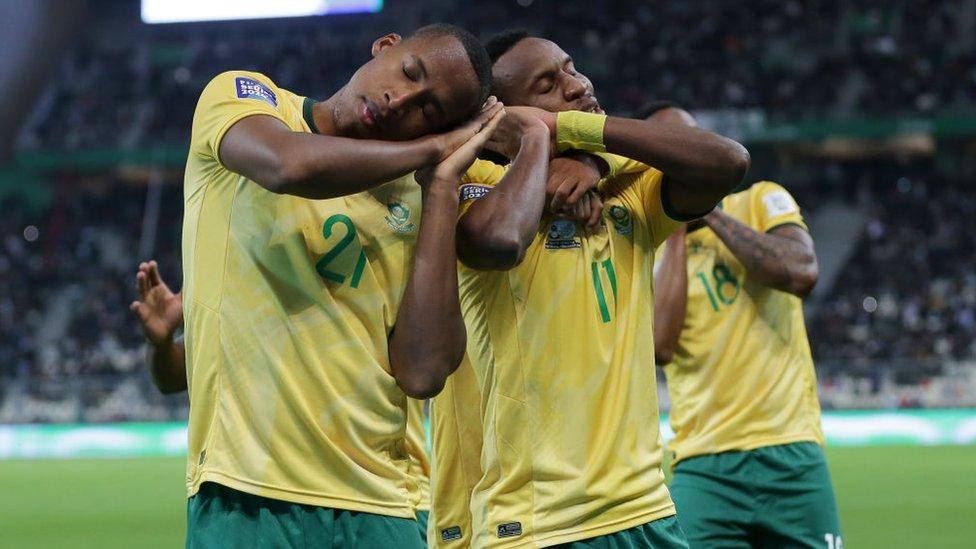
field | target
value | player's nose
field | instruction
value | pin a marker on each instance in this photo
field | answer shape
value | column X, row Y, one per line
column 399, row 99
column 573, row 88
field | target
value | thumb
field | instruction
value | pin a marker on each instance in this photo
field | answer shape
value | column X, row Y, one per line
column 140, row 309
column 475, row 143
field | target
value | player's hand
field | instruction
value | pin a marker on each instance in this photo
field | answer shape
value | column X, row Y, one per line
column 446, row 143
column 570, row 177
column 449, row 170
column 587, row 211
column 519, row 122
column 159, row 310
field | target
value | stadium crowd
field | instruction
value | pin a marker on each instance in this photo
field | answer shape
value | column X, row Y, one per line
column 791, row 59
column 907, row 293
column 901, row 309
column 69, row 350
column 901, row 312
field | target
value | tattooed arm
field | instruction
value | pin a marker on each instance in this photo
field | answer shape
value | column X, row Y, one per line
column 782, row 259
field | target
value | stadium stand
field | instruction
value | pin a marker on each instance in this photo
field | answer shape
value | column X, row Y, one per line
column 792, row 59
column 896, row 328
column 894, row 331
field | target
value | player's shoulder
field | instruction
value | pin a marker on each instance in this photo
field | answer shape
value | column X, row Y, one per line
column 752, row 193
column 763, row 187
column 763, row 205
column 483, row 173
column 772, row 198
column 242, row 85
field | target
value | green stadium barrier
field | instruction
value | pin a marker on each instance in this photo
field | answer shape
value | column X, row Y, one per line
column 847, row 428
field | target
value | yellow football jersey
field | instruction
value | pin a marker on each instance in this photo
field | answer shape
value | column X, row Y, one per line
column 455, row 425
column 417, row 450
column 562, row 349
column 288, row 305
column 742, row 375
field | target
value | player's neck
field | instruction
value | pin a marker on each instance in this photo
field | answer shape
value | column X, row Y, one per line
column 322, row 115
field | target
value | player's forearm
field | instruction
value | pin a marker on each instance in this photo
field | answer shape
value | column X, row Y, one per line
column 701, row 166
column 264, row 150
column 429, row 338
column 697, row 158
column 775, row 261
column 167, row 364
column 497, row 229
column 670, row 297
column 315, row 166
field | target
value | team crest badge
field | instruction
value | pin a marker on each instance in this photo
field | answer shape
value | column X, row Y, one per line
column 621, row 219
column 398, row 217
column 562, row 235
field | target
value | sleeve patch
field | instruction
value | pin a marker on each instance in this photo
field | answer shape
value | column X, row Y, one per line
column 472, row 191
column 779, row 203
column 249, row 88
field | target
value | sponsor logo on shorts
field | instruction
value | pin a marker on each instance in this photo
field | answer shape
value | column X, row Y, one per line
column 472, row 191
column 562, row 235
column 510, row 529
column 451, row 534
column 249, row 88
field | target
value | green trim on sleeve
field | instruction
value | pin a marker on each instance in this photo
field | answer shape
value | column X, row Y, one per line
column 307, row 114
column 787, row 224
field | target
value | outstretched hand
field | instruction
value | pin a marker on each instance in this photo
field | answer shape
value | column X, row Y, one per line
column 450, row 169
column 518, row 122
column 450, row 141
column 159, row 310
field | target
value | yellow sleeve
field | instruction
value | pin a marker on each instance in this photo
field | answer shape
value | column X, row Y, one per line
column 774, row 206
column 480, row 178
column 644, row 190
column 229, row 97
column 620, row 165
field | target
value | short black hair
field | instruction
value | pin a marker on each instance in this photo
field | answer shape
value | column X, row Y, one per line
column 499, row 44
column 472, row 47
column 651, row 107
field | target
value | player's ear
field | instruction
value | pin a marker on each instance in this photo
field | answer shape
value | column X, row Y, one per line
column 386, row 41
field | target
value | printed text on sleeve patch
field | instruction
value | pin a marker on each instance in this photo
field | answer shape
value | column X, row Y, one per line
column 779, row 203
column 249, row 88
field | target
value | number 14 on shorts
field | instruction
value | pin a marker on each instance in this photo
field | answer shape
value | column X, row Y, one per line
column 833, row 542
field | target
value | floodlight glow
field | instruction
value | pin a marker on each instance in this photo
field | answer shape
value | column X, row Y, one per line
column 179, row 11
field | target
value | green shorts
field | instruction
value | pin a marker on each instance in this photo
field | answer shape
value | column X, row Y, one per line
column 220, row 517
column 777, row 496
column 662, row 533
column 422, row 519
